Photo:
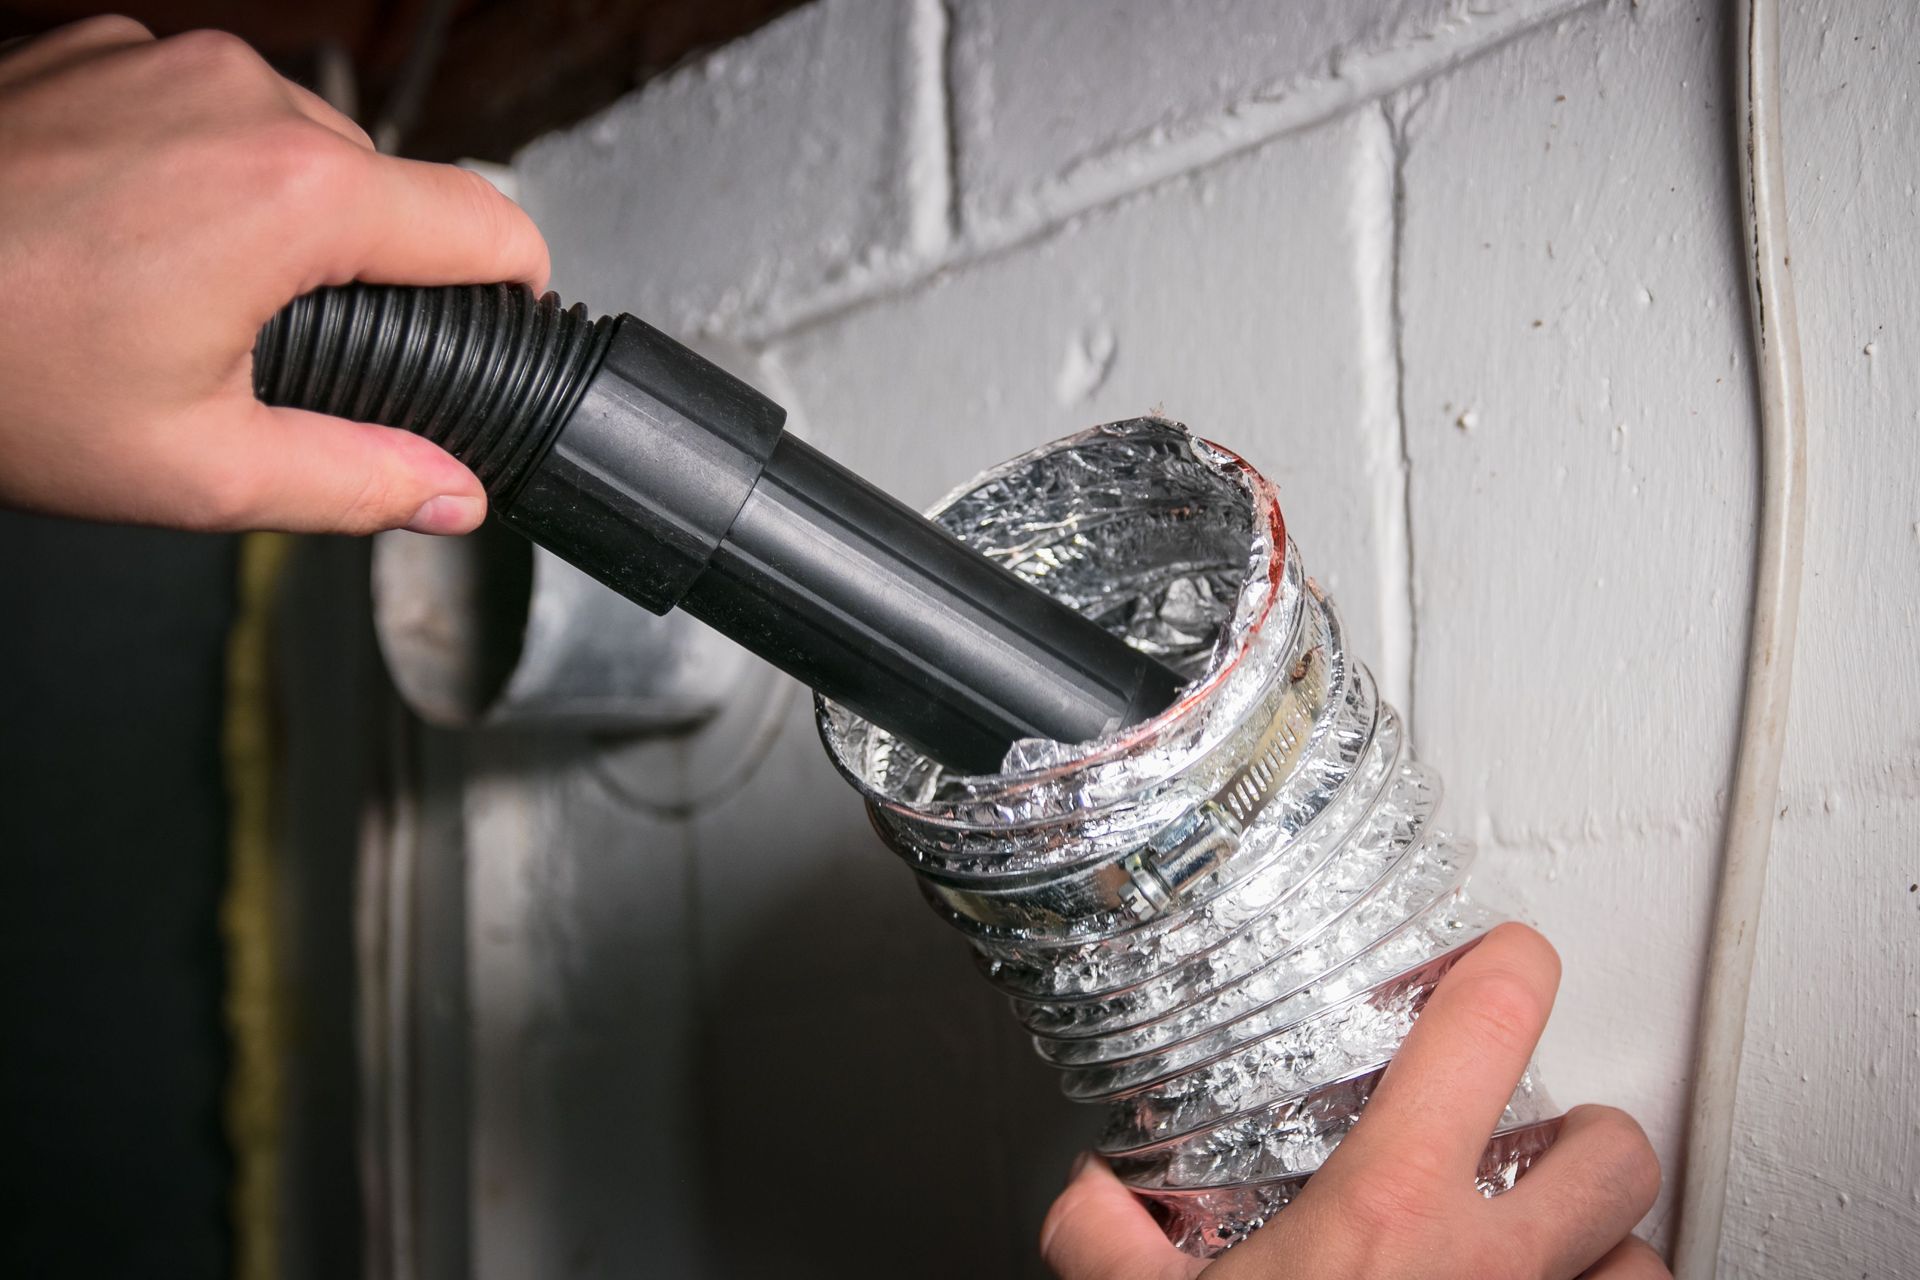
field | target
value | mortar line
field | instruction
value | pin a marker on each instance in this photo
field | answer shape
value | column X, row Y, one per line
column 928, row 135
column 1396, row 311
column 950, row 108
column 1212, row 140
column 1381, row 421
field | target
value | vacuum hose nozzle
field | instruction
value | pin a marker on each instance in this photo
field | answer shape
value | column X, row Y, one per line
column 671, row 481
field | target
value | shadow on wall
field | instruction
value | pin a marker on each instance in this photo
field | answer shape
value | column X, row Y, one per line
column 908, row 1127
column 735, row 1045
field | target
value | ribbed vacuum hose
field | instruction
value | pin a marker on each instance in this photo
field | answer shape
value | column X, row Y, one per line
column 672, row 481
column 487, row 372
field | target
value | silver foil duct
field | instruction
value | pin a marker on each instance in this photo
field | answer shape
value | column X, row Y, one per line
column 1219, row 924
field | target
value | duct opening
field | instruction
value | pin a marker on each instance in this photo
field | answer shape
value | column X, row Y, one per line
column 491, row 630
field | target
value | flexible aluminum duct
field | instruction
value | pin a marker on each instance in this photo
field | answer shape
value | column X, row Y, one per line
column 1218, row 924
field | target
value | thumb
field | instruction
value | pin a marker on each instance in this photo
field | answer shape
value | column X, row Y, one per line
column 1097, row 1229
column 304, row 472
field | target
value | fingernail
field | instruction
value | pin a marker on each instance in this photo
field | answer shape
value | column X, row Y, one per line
column 1079, row 1164
column 448, row 513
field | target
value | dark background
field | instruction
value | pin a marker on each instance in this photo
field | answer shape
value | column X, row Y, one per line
column 112, row 863
column 485, row 76
column 113, row 805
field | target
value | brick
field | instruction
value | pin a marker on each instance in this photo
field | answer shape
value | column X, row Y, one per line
column 1230, row 299
column 1059, row 104
column 1579, row 420
column 762, row 172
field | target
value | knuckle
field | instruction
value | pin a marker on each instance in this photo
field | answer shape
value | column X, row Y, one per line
column 305, row 162
column 1641, row 1261
column 1616, row 1156
column 1508, row 1010
column 1050, row 1226
column 482, row 192
column 1637, row 1167
column 359, row 135
column 483, row 203
column 1386, row 1203
column 1059, row 1232
column 1644, row 1169
column 374, row 507
column 497, row 219
column 217, row 55
column 1506, row 1257
column 369, row 509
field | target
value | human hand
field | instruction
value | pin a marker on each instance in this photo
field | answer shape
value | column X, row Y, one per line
column 1397, row 1197
column 159, row 200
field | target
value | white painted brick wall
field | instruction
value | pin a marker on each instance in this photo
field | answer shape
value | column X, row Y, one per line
column 1321, row 233
column 1577, row 397
column 1062, row 105
column 768, row 171
column 1227, row 298
column 1580, row 426
column 1827, row 1166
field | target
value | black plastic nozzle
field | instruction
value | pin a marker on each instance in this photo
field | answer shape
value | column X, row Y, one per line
column 671, row 481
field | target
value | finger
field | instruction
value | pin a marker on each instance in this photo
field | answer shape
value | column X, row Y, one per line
column 308, row 473
column 410, row 222
column 1631, row 1259
column 1097, row 1229
column 75, row 42
column 1590, row 1188
column 1444, row 1091
column 323, row 113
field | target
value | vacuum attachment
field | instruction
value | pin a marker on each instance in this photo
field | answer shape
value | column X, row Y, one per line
column 672, row 481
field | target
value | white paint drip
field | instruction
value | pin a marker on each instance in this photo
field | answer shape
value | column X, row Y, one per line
column 1084, row 368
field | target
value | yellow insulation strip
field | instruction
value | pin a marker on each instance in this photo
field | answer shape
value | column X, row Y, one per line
column 255, row 997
